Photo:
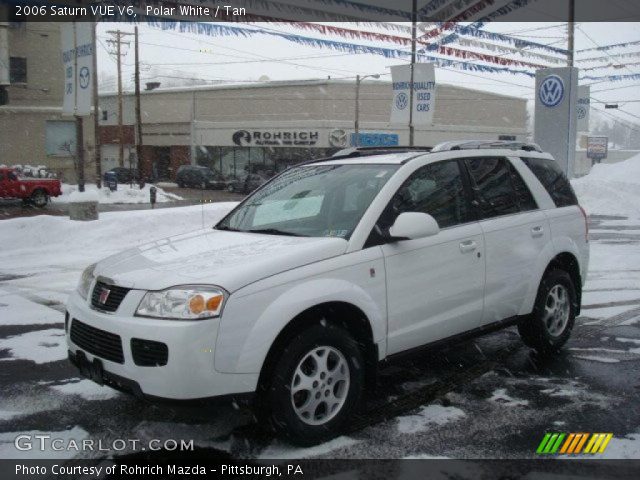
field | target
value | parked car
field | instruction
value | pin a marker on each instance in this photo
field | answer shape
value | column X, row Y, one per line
column 247, row 184
column 123, row 174
column 35, row 191
column 199, row 177
column 293, row 298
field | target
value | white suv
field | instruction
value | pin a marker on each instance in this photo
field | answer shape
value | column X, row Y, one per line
column 331, row 267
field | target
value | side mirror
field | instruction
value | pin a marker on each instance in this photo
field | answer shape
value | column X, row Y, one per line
column 413, row 225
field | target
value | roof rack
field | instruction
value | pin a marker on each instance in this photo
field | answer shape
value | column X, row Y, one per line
column 362, row 151
column 479, row 144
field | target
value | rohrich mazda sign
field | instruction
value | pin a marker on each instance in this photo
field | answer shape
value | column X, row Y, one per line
column 280, row 138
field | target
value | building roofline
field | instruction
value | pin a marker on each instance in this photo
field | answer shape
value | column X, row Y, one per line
column 286, row 83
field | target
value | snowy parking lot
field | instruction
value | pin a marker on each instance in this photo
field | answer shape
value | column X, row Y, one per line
column 487, row 398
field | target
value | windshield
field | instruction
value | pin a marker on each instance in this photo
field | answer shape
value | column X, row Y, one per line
column 311, row 201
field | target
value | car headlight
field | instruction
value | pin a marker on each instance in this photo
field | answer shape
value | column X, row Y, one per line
column 186, row 302
column 85, row 281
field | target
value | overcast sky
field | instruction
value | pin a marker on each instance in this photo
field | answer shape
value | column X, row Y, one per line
column 168, row 55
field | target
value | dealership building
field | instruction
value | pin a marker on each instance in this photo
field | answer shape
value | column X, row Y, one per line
column 267, row 126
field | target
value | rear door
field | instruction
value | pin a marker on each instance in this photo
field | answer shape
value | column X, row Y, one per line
column 435, row 285
column 515, row 233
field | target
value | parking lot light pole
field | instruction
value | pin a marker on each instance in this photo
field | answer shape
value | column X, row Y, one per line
column 357, row 114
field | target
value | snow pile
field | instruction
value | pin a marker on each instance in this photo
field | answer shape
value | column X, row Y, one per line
column 37, row 245
column 611, row 189
column 124, row 194
column 86, row 196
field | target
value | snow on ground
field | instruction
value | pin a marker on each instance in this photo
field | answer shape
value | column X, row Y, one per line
column 611, row 189
column 429, row 415
column 40, row 346
column 124, row 194
column 8, row 449
column 86, row 389
column 500, row 396
column 16, row 310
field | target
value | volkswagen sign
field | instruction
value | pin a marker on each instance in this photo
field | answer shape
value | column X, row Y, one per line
column 551, row 91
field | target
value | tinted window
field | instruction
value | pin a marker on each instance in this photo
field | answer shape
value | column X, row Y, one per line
column 553, row 179
column 493, row 186
column 436, row 189
column 523, row 194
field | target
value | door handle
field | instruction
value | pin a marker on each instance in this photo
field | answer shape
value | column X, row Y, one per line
column 468, row 246
column 537, row 231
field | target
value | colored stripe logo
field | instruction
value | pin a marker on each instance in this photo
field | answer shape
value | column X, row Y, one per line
column 573, row 443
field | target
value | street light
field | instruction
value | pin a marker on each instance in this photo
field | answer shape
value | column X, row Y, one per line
column 359, row 80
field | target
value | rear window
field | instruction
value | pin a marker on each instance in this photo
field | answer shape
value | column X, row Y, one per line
column 553, row 179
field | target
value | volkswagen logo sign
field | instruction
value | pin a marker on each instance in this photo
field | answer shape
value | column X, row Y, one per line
column 402, row 100
column 551, row 91
column 84, row 77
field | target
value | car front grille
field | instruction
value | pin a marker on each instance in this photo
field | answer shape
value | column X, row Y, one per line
column 111, row 294
column 149, row 353
column 97, row 342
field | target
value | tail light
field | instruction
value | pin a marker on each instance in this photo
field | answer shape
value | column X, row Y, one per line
column 586, row 224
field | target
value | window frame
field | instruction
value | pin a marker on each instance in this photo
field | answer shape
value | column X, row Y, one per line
column 372, row 239
column 511, row 170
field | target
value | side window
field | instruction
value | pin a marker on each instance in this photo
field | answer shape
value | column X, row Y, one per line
column 492, row 183
column 553, row 179
column 523, row 194
column 1, row 176
column 436, row 189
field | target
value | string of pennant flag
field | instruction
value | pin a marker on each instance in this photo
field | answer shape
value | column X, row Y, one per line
column 211, row 29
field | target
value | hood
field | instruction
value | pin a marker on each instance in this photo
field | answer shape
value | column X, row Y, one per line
column 230, row 260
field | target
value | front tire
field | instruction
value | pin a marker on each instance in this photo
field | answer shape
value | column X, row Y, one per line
column 549, row 326
column 316, row 385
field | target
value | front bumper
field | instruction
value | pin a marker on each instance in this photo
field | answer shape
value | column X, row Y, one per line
column 189, row 373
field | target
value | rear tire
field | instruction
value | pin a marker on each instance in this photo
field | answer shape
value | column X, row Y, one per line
column 549, row 326
column 316, row 385
column 39, row 199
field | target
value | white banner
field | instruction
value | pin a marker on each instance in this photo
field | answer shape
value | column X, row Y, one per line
column 582, row 108
column 77, row 61
column 424, row 93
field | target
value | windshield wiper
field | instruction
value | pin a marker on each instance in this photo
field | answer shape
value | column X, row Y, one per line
column 275, row 231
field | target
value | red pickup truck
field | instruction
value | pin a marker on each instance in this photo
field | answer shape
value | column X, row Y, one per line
column 36, row 191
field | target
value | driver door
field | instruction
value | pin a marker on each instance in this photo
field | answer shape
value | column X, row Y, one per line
column 435, row 285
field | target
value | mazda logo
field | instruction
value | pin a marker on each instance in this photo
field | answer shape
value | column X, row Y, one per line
column 551, row 91
column 242, row 138
column 338, row 138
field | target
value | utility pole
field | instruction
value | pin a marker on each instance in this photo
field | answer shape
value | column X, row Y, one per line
column 118, row 45
column 571, row 26
column 96, row 110
column 357, row 109
column 79, row 123
column 414, row 18
column 138, row 113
